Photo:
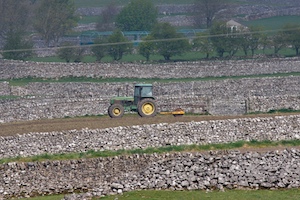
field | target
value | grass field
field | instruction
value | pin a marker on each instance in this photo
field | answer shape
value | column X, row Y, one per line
column 274, row 23
column 25, row 81
column 215, row 195
column 88, row 19
column 160, row 150
column 291, row 194
column 99, row 3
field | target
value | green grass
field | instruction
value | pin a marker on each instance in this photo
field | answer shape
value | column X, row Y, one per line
column 88, row 19
column 290, row 194
column 214, row 195
column 99, row 3
column 25, row 81
column 274, row 23
column 282, row 110
column 9, row 97
column 188, row 56
column 160, row 150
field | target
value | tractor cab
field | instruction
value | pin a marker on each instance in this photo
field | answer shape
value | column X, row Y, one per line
column 142, row 102
column 142, row 91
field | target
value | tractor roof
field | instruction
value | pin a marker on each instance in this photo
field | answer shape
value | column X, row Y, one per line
column 143, row 85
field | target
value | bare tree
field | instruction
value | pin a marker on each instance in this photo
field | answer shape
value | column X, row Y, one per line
column 54, row 18
column 208, row 10
column 107, row 17
column 14, row 17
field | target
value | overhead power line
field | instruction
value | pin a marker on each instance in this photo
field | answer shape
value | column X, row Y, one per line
column 155, row 40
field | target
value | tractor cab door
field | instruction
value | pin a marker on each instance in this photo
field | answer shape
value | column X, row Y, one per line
column 141, row 92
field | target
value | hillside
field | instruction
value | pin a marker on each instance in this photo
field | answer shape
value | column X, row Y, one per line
column 179, row 13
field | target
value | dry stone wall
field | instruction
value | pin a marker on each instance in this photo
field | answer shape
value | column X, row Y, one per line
column 219, row 97
column 4, row 89
column 155, row 135
column 233, row 169
column 229, row 96
column 102, row 176
column 49, row 108
column 175, row 171
column 221, row 88
column 244, row 87
column 265, row 104
column 18, row 69
column 33, row 109
column 233, row 87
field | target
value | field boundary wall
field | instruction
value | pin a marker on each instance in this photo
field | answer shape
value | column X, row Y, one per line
column 155, row 135
column 175, row 171
column 218, row 68
column 218, row 97
column 179, row 171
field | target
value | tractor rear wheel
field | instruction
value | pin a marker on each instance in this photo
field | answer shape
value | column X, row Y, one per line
column 116, row 111
column 147, row 108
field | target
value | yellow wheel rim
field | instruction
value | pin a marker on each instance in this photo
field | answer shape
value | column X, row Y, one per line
column 117, row 111
column 148, row 108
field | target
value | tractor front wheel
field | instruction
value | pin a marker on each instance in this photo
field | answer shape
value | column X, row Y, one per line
column 147, row 108
column 116, row 111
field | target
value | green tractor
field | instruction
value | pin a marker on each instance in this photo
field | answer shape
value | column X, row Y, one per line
column 142, row 102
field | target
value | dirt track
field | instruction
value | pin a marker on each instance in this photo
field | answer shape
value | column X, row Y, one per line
column 47, row 125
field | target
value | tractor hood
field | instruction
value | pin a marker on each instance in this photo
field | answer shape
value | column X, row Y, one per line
column 120, row 99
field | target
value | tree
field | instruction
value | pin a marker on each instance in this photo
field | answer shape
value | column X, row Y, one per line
column 138, row 15
column 69, row 51
column 66, row 52
column 146, row 48
column 79, row 53
column 256, row 39
column 14, row 17
column 225, row 39
column 218, row 33
column 54, row 18
column 203, row 44
column 265, row 41
column 170, row 43
column 245, row 41
column 14, row 23
column 17, row 47
column 99, row 50
column 232, row 42
column 118, row 45
column 107, row 17
column 278, row 41
column 250, row 39
column 208, row 9
column 291, row 34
